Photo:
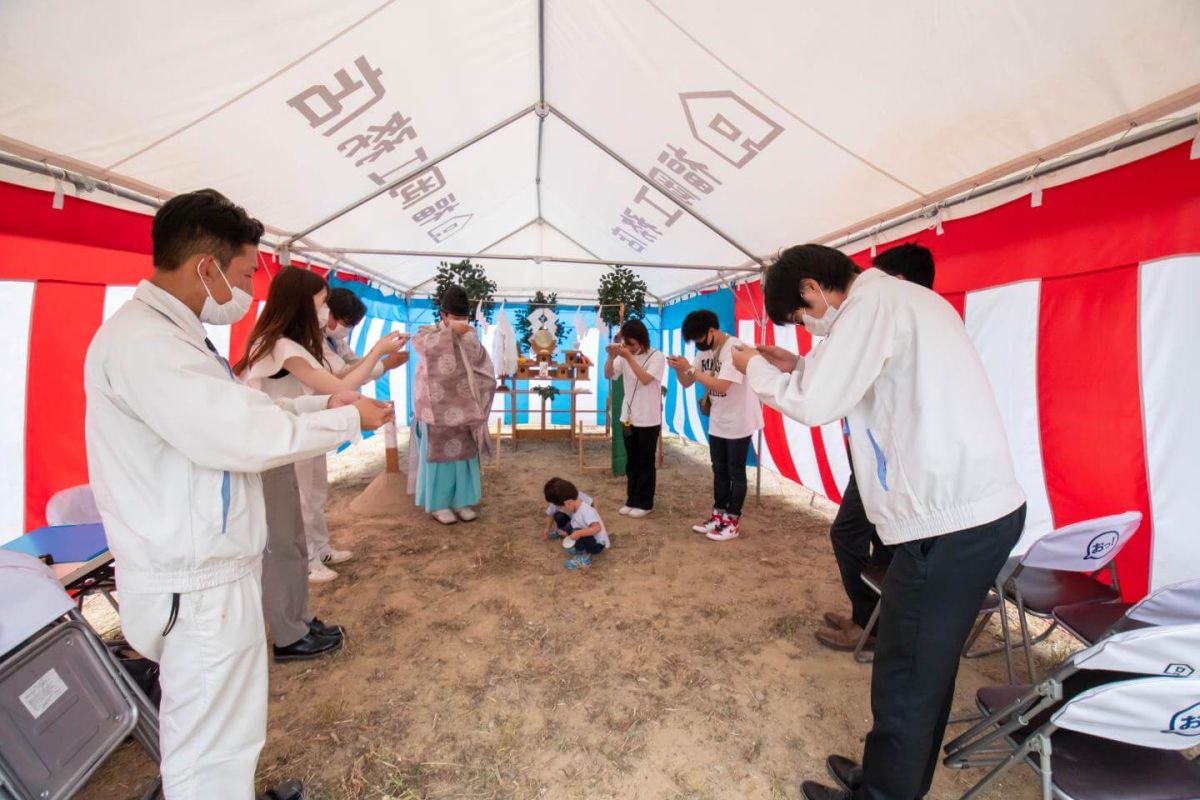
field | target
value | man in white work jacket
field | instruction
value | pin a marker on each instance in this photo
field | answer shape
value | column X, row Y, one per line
column 936, row 479
column 174, row 446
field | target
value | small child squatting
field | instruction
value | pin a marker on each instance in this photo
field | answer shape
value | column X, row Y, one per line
column 573, row 518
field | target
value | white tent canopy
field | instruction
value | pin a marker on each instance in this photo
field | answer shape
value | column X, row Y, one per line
column 656, row 132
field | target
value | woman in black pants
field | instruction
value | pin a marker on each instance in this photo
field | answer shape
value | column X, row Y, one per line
column 641, row 369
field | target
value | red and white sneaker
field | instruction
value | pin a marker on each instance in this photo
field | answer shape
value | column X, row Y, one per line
column 730, row 529
column 711, row 524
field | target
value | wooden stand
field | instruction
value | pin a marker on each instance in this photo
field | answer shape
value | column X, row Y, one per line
column 387, row 494
column 583, row 438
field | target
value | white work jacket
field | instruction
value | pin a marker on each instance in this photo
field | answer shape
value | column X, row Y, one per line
column 928, row 444
column 175, row 446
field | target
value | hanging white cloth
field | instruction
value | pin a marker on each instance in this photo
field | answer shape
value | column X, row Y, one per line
column 504, row 345
column 581, row 328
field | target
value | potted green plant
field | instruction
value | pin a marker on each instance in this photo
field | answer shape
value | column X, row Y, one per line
column 621, row 288
column 471, row 277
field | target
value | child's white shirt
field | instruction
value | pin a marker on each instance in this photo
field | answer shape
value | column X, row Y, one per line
column 552, row 509
column 584, row 516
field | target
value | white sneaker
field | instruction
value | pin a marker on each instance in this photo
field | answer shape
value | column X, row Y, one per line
column 638, row 513
column 445, row 516
column 466, row 514
column 319, row 573
column 623, row 510
column 334, row 556
column 711, row 524
column 730, row 529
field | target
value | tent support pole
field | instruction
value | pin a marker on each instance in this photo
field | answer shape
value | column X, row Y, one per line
column 541, row 106
column 337, row 251
column 684, row 207
column 406, row 177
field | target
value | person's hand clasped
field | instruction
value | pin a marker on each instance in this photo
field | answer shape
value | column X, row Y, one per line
column 346, row 398
column 390, row 343
column 679, row 363
column 743, row 356
column 783, row 360
column 374, row 414
column 616, row 350
column 460, row 327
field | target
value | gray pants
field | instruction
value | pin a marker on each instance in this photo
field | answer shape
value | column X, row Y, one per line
column 285, row 561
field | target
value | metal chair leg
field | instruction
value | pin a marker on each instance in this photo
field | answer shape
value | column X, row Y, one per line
column 1008, row 654
column 859, row 655
column 979, row 626
column 1021, row 617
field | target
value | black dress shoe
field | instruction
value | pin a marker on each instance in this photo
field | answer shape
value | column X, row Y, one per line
column 311, row 646
column 328, row 631
column 845, row 771
column 811, row 790
column 288, row 790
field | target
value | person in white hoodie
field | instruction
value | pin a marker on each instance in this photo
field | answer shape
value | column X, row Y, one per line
column 936, row 479
column 174, row 448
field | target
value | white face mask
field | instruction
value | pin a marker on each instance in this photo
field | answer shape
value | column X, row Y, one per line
column 323, row 316
column 340, row 331
column 229, row 312
column 820, row 326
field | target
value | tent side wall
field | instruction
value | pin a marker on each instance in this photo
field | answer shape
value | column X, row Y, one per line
column 1083, row 313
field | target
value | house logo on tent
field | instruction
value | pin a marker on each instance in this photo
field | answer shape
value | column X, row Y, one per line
column 1101, row 544
column 1186, row 722
column 728, row 125
column 1179, row 670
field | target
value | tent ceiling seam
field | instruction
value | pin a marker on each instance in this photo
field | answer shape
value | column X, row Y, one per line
column 814, row 129
column 646, row 179
column 250, row 90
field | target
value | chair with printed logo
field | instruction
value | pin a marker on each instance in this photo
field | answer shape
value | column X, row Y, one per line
column 1096, row 761
column 1061, row 569
column 1175, row 604
column 65, row 702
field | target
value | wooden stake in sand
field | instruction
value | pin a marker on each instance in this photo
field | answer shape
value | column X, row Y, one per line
column 387, row 493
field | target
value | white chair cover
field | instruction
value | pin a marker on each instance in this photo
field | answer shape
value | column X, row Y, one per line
column 1176, row 604
column 74, row 506
column 1085, row 546
column 1171, row 650
column 30, row 598
column 1152, row 712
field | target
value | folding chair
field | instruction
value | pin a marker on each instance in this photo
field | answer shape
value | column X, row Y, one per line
column 1115, row 741
column 1015, row 714
column 1175, row 604
column 74, row 506
column 65, row 702
column 1058, row 570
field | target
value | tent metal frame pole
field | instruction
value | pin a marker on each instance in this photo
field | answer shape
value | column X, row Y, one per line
column 541, row 106
column 406, row 177
column 682, row 206
column 1042, row 168
column 368, row 251
column 508, row 235
column 88, row 183
column 733, row 275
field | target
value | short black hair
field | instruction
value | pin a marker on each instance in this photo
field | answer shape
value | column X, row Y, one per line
column 345, row 306
column 635, row 330
column 559, row 491
column 831, row 269
column 697, row 324
column 204, row 221
column 454, row 301
column 910, row 261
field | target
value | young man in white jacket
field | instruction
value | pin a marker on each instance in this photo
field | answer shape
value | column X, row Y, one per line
column 936, row 478
column 174, row 447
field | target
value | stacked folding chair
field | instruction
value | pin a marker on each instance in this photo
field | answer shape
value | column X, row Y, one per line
column 66, row 703
column 1176, row 604
column 1097, row 728
column 1060, row 569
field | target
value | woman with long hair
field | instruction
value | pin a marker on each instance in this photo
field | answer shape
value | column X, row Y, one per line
column 284, row 358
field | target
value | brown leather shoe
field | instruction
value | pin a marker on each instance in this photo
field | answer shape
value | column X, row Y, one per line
column 839, row 622
column 844, row 640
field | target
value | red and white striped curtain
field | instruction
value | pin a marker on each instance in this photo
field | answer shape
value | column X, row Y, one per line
column 1084, row 311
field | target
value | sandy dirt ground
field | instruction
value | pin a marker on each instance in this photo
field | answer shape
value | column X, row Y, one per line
column 476, row 666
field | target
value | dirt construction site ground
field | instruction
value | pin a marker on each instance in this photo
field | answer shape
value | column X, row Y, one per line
column 476, row 666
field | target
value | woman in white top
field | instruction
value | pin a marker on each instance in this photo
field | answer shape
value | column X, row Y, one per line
column 641, row 370
column 284, row 359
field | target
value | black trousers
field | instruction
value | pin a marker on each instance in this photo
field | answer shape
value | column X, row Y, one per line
column 857, row 546
column 729, row 473
column 641, row 474
column 589, row 545
column 931, row 598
